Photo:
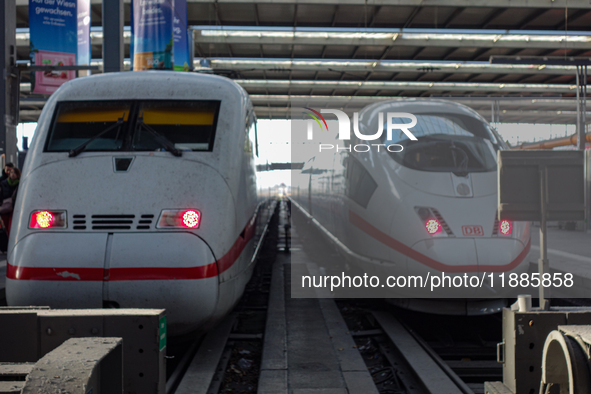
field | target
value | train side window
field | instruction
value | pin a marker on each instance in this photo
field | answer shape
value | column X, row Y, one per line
column 189, row 125
column 359, row 184
column 76, row 122
column 249, row 138
column 253, row 135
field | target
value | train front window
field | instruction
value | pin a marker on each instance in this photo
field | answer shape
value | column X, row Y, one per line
column 117, row 126
column 75, row 123
column 188, row 125
column 446, row 143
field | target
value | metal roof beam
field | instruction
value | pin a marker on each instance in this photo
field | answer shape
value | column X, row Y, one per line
column 360, row 101
column 392, row 66
column 376, row 37
column 511, row 116
column 398, row 37
column 366, row 66
column 412, row 86
column 573, row 4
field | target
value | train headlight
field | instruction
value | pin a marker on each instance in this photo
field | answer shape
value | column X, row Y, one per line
column 48, row 219
column 506, row 227
column 433, row 226
column 433, row 221
column 179, row 218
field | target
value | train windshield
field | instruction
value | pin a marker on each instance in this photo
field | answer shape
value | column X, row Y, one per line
column 117, row 125
column 77, row 123
column 188, row 125
column 446, row 143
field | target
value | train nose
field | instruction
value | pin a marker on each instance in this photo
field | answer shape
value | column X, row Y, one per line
column 39, row 266
column 501, row 254
column 176, row 271
column 450, row 255
column 468, row 254
column 476, row 257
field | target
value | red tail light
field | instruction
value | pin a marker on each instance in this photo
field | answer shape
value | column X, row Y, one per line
column 506, row 227
column 179, row 218
column 191, row 219
column 433, row 226
column 48, row 219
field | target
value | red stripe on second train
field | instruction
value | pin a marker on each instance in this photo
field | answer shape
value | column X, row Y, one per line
column 398, row 246
column 136, row 273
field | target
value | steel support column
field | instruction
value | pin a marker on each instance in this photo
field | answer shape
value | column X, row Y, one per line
column 581, row 105
column 112, row 35
column 495, row 112
column 9, row 81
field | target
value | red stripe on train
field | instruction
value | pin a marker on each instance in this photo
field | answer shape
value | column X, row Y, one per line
column 136, row 273
column 398, row 246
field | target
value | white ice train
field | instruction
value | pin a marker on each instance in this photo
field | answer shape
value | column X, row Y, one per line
column 139, row 190
column 431, row 208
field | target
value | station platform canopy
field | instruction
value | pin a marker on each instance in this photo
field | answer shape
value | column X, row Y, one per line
column 379, row 49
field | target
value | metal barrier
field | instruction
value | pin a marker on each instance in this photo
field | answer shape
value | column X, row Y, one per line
column 533, row 351
column 566, row 360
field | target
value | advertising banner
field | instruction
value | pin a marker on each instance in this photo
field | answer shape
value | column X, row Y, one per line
column 182, row 56
column 53, row 41
column 153, row 34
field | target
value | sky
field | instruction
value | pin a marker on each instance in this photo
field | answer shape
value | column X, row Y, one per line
column 274, row 138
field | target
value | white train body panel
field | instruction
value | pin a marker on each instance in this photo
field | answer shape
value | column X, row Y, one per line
column 196, row 274
column 383, row 224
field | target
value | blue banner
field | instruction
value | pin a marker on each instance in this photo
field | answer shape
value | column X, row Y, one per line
column 182, row 55
column 53, row 41
column 153, row 34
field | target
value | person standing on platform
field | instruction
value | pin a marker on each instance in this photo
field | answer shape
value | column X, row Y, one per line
column 6, row 171
column 8, row 185
column 8, row 190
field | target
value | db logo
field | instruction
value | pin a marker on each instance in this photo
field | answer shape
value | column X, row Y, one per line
column 473, row 231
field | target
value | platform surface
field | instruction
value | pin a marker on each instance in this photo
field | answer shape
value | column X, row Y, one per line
column 568, row 252
column 564, row 241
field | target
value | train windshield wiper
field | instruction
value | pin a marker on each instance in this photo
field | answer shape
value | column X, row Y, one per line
column 162, row 140
column 76, row 151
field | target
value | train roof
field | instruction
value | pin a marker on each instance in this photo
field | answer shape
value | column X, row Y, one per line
column 148, row 85
column 418, row 106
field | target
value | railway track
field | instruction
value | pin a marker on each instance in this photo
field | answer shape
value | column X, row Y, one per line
column 228, row 358
column 274, row 343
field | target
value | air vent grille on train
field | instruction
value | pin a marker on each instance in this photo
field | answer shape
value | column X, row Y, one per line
column 495, row 231
column 145, row 222
column 113, row 222
column 442, row 222
column 79, row 222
